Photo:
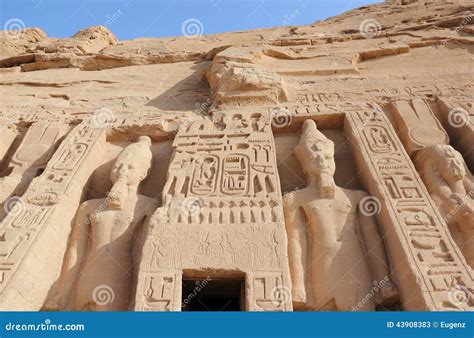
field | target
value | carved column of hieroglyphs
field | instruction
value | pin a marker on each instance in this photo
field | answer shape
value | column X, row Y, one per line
column 427, row 143
column 222, row 211
column 426, row 262
column 34, row 234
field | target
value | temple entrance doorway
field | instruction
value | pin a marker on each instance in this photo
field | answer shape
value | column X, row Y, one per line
column 213, row 294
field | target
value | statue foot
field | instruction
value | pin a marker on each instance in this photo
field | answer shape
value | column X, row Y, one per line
column 299, row 299
column 388, row 294
column 55, row 304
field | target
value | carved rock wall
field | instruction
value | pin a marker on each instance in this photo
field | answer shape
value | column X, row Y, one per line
column 389, row 84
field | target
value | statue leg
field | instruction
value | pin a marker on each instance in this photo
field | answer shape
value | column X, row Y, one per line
column 378, row 262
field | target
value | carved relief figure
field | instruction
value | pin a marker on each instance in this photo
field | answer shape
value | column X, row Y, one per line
column 178, row 180
column 331, row 238
column 104, row 232
column 451, row 185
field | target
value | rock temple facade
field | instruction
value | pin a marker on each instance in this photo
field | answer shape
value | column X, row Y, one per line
column 310, row 168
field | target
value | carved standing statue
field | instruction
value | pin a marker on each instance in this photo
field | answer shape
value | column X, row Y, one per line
column 451, row 186
column 99, row 256
column 331, row 238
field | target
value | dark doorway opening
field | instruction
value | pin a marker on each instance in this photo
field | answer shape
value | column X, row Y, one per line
column 212, row 295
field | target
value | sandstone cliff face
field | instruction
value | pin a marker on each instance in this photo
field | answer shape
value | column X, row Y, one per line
column 223, row 127
column 380, row 43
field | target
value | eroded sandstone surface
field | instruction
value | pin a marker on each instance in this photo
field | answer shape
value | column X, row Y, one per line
column 318, row 167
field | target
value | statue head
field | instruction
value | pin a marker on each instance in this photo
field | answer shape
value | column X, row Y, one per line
column 447, row 162
column 130, row 168
column 315, row 151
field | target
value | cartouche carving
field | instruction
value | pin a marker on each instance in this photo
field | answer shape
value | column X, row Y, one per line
column 100, row 249
column 426, row 263
column 28, row 261
column 324, row 228
column 222, row 203
column 451, row 185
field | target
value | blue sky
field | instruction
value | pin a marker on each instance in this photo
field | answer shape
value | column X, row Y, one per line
column 137, row 18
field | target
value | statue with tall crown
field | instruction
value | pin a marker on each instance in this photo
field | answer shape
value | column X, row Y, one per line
column 337, row 256
column 97, row 272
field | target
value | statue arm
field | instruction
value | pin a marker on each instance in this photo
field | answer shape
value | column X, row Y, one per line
column 437, row 185
column 445, row 198
column 376, row 255
column 74, row 257
column 297, row 246
column 467, row 201
column 442, row 191
column 469, row 185
column 143, row 229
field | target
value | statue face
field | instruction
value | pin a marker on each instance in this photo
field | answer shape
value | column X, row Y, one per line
column 452, row 168
column 131, row 166
column 316, row 155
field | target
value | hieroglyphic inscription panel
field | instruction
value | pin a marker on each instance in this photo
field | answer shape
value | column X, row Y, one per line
column 222, row 201
column 426, row 261
column 41, row 217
